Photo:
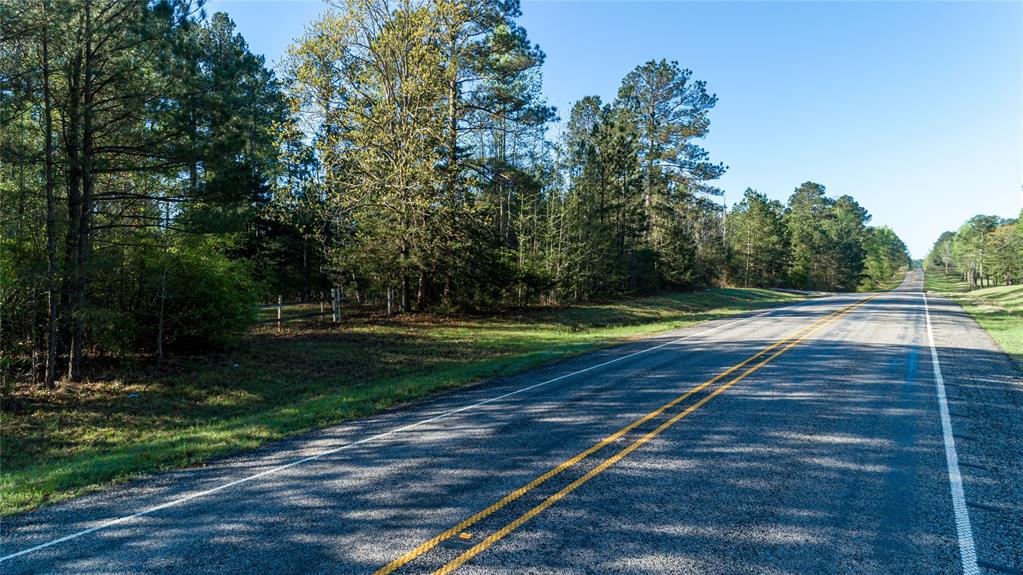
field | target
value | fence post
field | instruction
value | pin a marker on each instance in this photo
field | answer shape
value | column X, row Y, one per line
column 333, row 304
column 279, row 308
column 337, row 295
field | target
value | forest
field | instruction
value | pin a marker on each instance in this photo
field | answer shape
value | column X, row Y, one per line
column 985, row 251
column 159, row 181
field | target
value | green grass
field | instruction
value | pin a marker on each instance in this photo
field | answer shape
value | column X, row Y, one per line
column 133, row 420
column 936, row 281
column 291, row 311
column 999, row 310
column 892, row 283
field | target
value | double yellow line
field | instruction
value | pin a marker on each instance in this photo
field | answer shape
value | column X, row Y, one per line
column 784, row 345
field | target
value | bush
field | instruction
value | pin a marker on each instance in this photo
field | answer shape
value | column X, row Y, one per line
column 210, row 300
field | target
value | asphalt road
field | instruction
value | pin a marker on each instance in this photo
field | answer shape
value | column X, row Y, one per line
column 805, row 439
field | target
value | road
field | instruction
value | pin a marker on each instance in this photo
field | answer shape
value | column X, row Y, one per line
column 812, row 438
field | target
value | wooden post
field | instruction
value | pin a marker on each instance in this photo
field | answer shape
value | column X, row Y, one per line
column 279, row 309
column 333, row 304
column 337, row 296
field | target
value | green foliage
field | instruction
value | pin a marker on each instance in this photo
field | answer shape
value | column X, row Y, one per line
column 832, row 248
column 984, row 251
column 885, row 254
column 208, row 300
column 814, row 243
column 135, row 138
column 758, row 241
column 671, row 112
column 806, row 219
column 156, row 172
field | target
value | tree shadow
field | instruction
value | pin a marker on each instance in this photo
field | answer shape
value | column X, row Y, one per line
column 828, row 459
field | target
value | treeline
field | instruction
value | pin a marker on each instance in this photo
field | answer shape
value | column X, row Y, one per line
column 158, row 179
column 812, row 242
column 984, row 251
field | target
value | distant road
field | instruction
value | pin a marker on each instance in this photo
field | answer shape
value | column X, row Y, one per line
column 819, row 437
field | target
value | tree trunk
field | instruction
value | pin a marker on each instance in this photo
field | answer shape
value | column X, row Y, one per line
column 163, row 286
column 404, row 278
column 72, row 146
column 749, row 254
column 404, row 291
column 85, row 218
column 51, row 216
column 421, row 292
column 193, row 163
column 306, row 293
column 453, row 97
column 355, row 288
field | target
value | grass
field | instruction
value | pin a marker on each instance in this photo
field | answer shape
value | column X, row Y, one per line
column 892, row 283
column 936, row 281
column 134, row 420
column 999, row 310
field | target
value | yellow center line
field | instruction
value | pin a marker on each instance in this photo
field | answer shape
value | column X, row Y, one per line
column 504, row 501
column 604, row 465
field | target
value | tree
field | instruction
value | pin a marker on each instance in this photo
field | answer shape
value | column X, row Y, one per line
column 847, row 235
column 1006, row 249
column 381, row 109
column 984, row 250
column 422, row 111
column 806, row 220
column 158, row 179
column 941, row 254
column 605, row 195
column 672, row 112
column 757, row 241
column 108, row 178
column 884, row 254
column 971, row 247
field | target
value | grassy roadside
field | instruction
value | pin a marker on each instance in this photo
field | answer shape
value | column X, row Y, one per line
column 938, row 282
column 892, row 283
column 999, row 310
column 132, row 421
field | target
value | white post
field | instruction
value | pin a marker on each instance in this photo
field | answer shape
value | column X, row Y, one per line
column 335, row 305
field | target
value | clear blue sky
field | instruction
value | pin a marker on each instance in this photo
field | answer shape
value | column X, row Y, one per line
column 913, row 108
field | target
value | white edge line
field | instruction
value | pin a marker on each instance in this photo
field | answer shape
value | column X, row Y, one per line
column 446, row 414
column 967, row 551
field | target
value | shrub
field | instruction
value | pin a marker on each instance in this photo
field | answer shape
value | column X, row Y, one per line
column 210, row 300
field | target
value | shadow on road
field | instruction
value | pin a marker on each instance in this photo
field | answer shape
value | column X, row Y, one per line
column 829, row 459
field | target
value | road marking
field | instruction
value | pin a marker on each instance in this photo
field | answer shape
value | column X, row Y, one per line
column 604, row 465
column 174, row 502
column 504, row 501
column 967, row 552
column 465, row 524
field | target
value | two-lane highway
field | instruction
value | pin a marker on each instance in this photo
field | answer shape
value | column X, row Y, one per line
column 821, row 437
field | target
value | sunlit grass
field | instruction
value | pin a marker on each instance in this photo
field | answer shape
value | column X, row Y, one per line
column 936, row 281
column 311, row 374
column 893, row 282
column 999, row 310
